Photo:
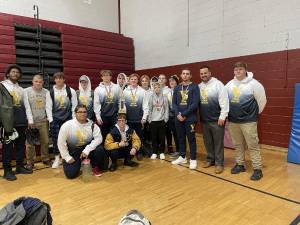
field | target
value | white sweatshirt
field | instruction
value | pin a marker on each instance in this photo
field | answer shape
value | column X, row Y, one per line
column 74, row 134
column 214, row 102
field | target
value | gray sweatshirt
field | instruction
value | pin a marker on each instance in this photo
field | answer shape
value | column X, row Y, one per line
column 158, row 108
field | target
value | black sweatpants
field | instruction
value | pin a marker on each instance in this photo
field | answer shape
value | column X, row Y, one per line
column 108, row 123
column 158, row 133
column 19, row 146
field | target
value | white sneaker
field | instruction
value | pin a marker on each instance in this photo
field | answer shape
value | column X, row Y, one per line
column 162, row 156
column 193, row 164
column 179, row 160
column 153, row 156
column 56, row 162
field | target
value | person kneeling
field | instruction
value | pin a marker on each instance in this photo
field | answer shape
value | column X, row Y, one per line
column 122, row 142
column 80, row 138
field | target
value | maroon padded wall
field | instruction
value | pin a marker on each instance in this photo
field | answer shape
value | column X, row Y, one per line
column 277, row 71
column 85, row 50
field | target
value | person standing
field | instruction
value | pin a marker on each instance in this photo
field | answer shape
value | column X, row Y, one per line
column 173, row 82
column 247, row 100
column 136, row 107
column 13, row 74
column 106, row 102
column 158, row 117
column 64, row 101
column 214, row 107
column 39, row 115
column 185, row 103
column 85, row 96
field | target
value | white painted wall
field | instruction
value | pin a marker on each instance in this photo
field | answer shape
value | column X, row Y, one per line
column 218, row 29
column 99, row 14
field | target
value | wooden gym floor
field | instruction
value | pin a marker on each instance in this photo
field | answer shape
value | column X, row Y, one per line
column 167, row 194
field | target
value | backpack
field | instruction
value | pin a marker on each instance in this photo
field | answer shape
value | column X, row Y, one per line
column 26, row 211
column 69, row 94
column 134, row 217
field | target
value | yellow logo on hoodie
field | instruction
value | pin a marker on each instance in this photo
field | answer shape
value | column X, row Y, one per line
column 80, row 138
column 61, row 101
column 16, row 99
column 83, row 100
column 204, row 96
column 236, row 95
column 184, row 97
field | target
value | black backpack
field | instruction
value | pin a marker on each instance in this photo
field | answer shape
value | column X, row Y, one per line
column 69, row 94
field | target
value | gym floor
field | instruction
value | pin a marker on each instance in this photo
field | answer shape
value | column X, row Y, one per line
column 168, row 194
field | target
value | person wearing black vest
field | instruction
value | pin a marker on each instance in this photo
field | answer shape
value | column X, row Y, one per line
column 13, row 75
column 64, row 101
column 122, row 142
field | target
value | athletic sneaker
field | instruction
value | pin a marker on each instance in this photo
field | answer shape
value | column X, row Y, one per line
column 193, row 164
column 57, row 162
column 257, row 174
column 162, row 156
column 96, row 172
column 238, row 169
column 180, row 160
column 153, row 156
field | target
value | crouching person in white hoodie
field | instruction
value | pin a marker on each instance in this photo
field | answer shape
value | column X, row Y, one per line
column 80, row 138
column 247, row 100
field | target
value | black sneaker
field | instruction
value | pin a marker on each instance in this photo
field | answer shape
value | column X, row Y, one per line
column 9, row 175
column 257, row 175
column 113, row 167
column 131, row 163
column 23, row 170
column 237, row 169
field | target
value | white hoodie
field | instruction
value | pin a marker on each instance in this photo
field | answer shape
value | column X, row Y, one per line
column 74, row 134
column 241, row 99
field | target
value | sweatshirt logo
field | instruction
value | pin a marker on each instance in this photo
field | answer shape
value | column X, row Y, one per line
column 109, row 98
column 16, row 99
column 80, row 138
column 236, row 95
column 184, row 97
column 39, row 103
column 83, row 100
column 61, row 101
column 204, row 96
column 133, row 100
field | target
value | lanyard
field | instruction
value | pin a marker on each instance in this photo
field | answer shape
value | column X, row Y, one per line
column 107, row 90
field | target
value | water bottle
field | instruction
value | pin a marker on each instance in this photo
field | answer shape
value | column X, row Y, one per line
column 86, row 169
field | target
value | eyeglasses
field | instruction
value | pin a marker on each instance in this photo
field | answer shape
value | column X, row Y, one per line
column 82, row 112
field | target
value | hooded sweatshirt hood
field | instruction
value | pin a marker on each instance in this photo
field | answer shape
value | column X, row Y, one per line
column 126, row 79
column 247, row 79
column 88, row 90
